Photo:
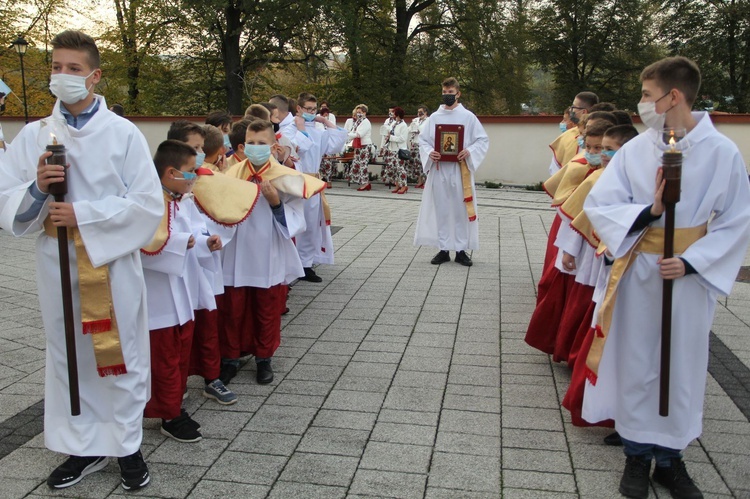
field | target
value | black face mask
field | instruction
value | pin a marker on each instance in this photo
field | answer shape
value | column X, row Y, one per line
column 449, row 99
column 276, row 128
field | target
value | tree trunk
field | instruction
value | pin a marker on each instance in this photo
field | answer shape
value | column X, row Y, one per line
column 230, row 51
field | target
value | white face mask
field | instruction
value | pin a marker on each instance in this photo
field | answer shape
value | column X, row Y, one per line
column 649, row 116
column 69, row 88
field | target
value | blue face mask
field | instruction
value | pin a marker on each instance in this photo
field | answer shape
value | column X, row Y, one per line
column 609, row 154
column 187, row 176
column 258, row 154
column 227, row 143
column 563, row 127
column 593, row 159
column 200, row 158
column 308, row 117
column 580, row 142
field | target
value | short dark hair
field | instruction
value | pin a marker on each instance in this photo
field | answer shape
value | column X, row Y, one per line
column 219, row 118
column 281, row 102
column 237, row 135
column 621, row 133
column 598, row 129
column 623, row 117
column 398, row 112
column 603, row 106
column 78, row 40
column 182, row 129
column 270, row 106
column 259, row 111
column 305, row 97
column 588, row 99
column 172, row 154
column 213, row 139
column 260, row 126
column 424, row 108
column 603, row 115
column 118, row 109
column 675, row 72
column 451, row 82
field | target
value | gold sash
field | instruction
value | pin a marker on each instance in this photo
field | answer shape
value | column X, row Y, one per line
column 97, row 311
column 565, row 146
column 468, row 194
column 573, row 209
column 225, row 200
column 286, row 180
column 162, row 232
column 651, row 242
column 563, row 183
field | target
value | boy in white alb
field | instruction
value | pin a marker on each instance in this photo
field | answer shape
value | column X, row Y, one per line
column 113, row 206
column 173, row 269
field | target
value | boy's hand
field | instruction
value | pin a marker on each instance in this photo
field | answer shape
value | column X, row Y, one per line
column 220, row 163
column 270, row 193
column 62, row 214
column 214, row 243
column 48, row 174
column 658, row 207
column 671, row 268
column 191, row 242
column 299, row 122
column 568, row 262
column 435, row 156
column 325, row 121
column 278, row 151
column 463, row 154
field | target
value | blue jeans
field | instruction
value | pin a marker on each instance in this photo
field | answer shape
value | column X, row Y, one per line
column 651, row 451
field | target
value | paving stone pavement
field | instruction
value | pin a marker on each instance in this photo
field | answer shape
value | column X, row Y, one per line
column 395, row 378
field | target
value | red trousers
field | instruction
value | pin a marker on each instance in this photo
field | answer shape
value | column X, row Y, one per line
column 170, row 359
column 573, row 400
column 551, row 254
column 545, row 321
column 251, row 321
column 205, row 356
column 579, row 309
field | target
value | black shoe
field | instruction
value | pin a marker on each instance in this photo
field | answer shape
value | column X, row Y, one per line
column 463, row 259
column 265, row 373
column 677, row 480
column 228, row 371
column 188, row 420
column 441, row 257
column 285, row 311
column 311, row 276
column 635, row 482
column 613, row 439
column 133, row 471
column 74, row 469
column 181, row 429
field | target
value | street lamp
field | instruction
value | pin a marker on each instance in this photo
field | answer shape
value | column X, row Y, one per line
column 21, row 45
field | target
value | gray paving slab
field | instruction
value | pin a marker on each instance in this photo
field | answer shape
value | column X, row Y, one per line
column 395, row 378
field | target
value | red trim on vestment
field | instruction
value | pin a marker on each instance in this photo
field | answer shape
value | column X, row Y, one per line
column 115, row 370
column 203, row 210
column 169, row 233
column 100, row 326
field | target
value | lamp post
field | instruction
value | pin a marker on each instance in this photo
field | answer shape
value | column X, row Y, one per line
column 21, row 45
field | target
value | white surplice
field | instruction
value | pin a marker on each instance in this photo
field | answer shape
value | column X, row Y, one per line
column 176, row 279
column 443, row 221
column 714, row 187
column 315, row 244
column 118, row 204
column 262, row 253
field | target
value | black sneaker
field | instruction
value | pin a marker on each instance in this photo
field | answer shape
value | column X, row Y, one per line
column 441, row 257
column 228, row 371
column 133, row 471
column 613, row 439
column 181, row 429
column 311, row 276
column 463, row 259
column 635, row 482
column 74, row 469
column 677, row 480
column 188, row 420
column 265, row 373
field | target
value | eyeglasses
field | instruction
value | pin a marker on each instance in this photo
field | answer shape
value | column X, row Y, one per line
column 310, row 109
column 576, row 107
